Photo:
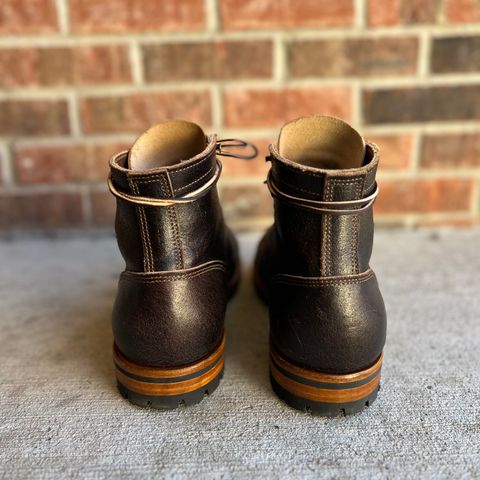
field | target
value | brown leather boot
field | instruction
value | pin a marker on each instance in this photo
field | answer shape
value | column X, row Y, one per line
column 327, row 317
column 181, row 267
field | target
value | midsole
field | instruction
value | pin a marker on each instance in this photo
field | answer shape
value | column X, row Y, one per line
column 168, row 381
column 322, row 387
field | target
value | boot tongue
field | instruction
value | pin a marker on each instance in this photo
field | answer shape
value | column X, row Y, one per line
column 322, row 142
column 165, row 144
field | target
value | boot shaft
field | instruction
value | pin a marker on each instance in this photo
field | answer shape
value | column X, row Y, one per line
column 173, row 237
column 322, row 241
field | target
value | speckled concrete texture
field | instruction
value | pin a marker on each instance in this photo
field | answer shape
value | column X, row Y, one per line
column 61, row 416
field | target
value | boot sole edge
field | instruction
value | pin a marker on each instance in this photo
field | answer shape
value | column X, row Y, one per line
column 169, row 388
column 324, row 394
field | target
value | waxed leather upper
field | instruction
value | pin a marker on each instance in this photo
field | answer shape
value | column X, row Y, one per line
column 326, row 311
column 181, row 264
column 173, row 318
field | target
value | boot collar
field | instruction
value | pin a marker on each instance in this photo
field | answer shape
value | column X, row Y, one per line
column 165, row 182
column 321, row 184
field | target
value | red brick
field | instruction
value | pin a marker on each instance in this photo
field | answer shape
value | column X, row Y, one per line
column 265, row 14
column 451, row 151
column 103, row 208
column 100, row 64
column 64, row 163
column 98, row 156
column 28, row 16
column 402, row 12
column 33, row 117
column 246, row 203
column 49, row 164
column 41, row 210
column 64, row 66
column 43, row 164
column 18, row 67
column 353, row 57
column 455, row 54
column 92, row 16
column 395, row 150
column 424, row 195
column 422, row 104
column 462, row 11
column 257, row 167
column 134, row 113
column 208, row 60
column 272, row 108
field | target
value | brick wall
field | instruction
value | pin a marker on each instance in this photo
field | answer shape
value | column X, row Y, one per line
column 79, row 79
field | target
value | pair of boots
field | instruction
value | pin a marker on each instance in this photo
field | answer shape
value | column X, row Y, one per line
column 327, row 317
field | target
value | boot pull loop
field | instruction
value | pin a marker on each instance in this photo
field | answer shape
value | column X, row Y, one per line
column 346, row 207
column 236, row 143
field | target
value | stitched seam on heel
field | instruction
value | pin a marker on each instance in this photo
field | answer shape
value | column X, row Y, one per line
column 147, row 252
column 173, row 221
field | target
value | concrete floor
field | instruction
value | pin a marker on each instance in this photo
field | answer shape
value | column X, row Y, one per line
column 61, row 416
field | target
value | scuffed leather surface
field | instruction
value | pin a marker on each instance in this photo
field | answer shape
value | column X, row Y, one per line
column 170, row 319
column 331, row 325
column 325, row 321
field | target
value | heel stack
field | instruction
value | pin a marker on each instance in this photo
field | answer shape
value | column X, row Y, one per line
column 168, row 388
column 324, row 394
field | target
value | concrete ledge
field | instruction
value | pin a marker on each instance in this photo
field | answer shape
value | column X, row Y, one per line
column 61, row 416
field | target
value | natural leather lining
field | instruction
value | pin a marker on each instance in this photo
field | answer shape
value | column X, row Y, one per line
column 165, row 144
column 322, row 142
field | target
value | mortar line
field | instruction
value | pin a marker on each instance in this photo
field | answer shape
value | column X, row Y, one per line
column 416, row 152
column 52, row 92
column 439, row 128
column 429, row 174
column 323, row 33
column 213, row 17
column 136, row 63
column 279, row 61
column 43, row 188
column 7, row 170
column 97, row 139
column 216, row 99
column 360, row 14
column 74, row 115
column 387, row 218
column 424, row 52
column 63, row 16
column 357, row 111
column 476, row 200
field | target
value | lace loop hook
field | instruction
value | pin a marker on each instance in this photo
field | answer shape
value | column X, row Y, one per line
column 236, row 143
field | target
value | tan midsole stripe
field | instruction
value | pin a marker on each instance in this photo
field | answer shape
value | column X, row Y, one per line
column 325, row 377
column 324, row 394
column 152, row 372
column 170, row 389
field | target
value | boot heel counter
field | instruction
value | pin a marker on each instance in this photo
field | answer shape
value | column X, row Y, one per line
column 343, row 329
column 170, row 318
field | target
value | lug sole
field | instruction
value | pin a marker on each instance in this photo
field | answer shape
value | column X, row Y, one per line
column 169, row 388
column 321, row 393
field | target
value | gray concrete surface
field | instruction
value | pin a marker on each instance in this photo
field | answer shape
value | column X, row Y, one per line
column 61, row 416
